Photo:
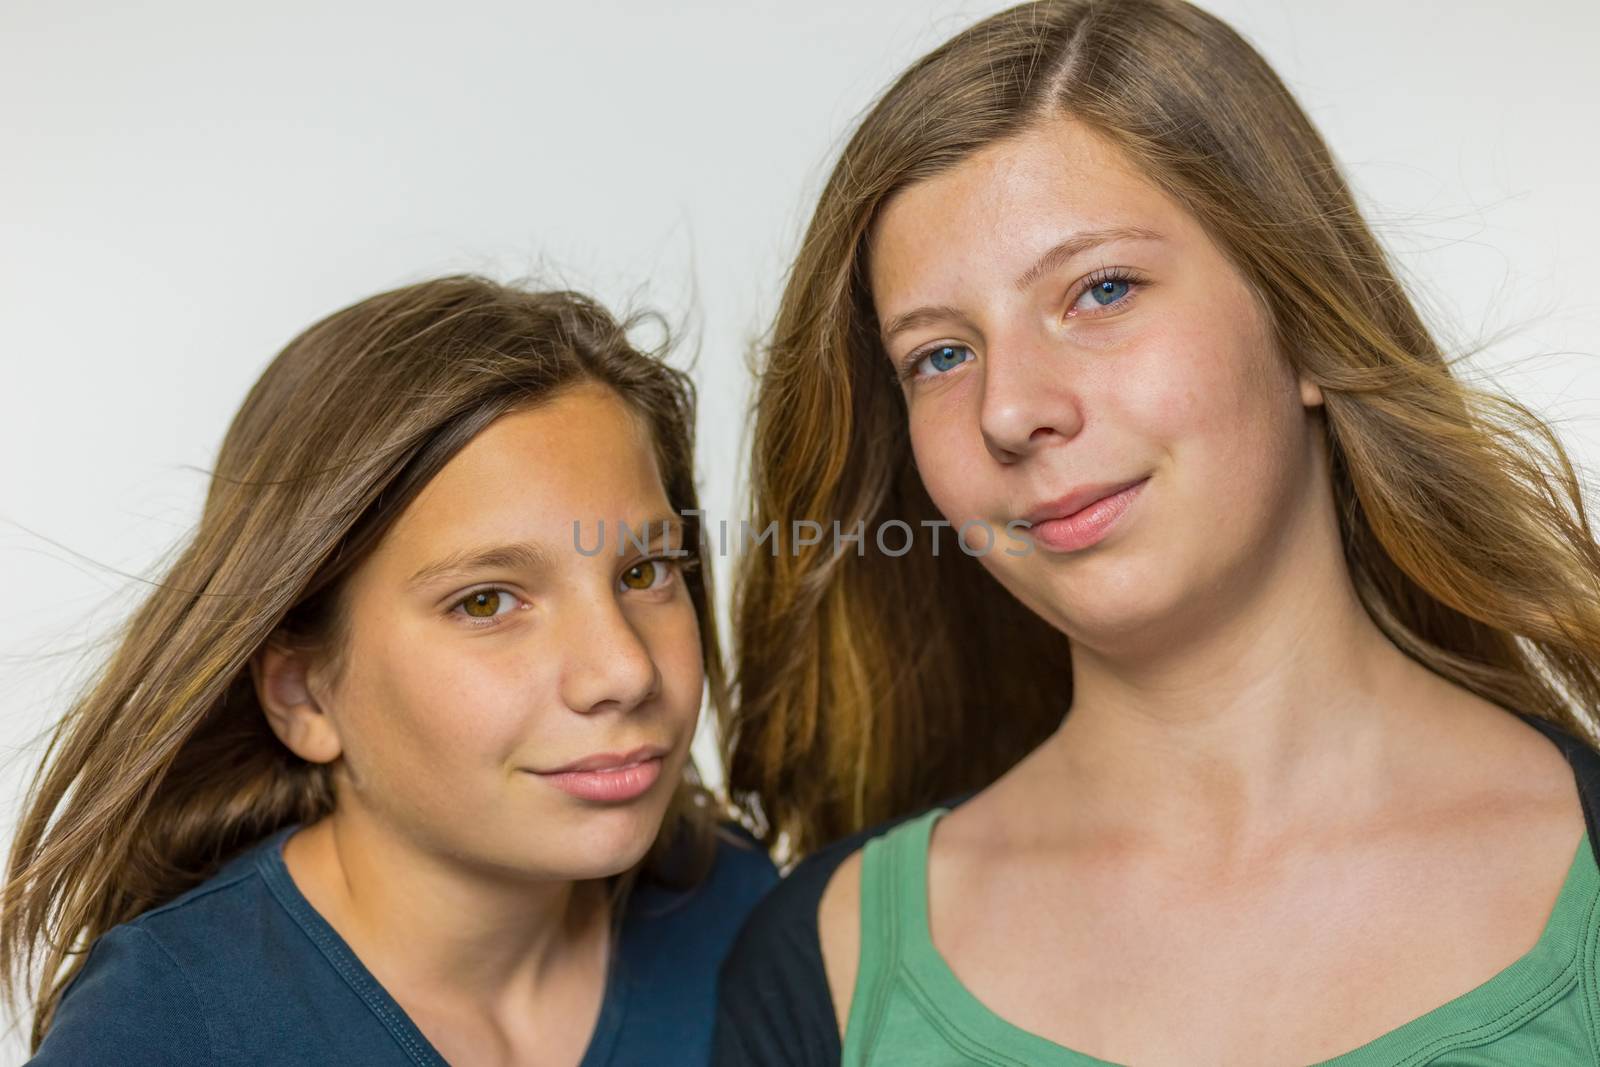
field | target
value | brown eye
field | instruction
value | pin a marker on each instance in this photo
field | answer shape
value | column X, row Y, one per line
column 487, row 603
column 641, row 575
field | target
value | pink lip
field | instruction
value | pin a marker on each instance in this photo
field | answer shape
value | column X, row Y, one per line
column 610, row 761
column 610, row 777
column 1082, row 517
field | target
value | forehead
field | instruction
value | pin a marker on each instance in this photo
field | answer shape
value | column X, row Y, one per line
column 583, row 456
column 1011, row 200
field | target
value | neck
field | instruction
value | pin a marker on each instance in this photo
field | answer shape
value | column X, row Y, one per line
column 1238, row 720
column 431, row 926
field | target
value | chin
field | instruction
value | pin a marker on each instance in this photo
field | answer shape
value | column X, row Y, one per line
column 1109, row 596
column 1145, row 626
column 602, row 842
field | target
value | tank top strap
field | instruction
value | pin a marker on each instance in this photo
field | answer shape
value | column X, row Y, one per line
column 894, row 915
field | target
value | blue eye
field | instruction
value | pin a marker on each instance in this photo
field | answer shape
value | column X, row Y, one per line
column 941, row 358
column 1109, row 291
column 1110, row 288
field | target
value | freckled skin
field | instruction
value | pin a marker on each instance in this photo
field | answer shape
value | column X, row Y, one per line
column 1256, row 799
column 440, row 720
column 1178, row 380
column 468, row 883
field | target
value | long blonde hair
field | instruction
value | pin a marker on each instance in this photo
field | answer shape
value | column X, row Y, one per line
column 165, row 767
column 1462, row 517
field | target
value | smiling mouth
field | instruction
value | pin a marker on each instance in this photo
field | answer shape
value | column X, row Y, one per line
column 1080, row 523
column 611, row 761
column 609, row 778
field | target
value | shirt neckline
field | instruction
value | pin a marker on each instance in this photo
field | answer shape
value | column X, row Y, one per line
column 1498, row 1005
column 275, row 873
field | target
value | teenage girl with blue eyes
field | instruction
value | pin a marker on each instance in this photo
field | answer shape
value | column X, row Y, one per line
column 385, row 770
column 1249, row 761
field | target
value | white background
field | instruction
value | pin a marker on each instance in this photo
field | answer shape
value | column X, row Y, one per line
column 184, row 185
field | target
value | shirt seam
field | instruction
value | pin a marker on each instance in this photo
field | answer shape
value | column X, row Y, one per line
column 1496, row 1027
column 193, row 896
column 1574, row 973
column 955, row 1034
column 1586, row 976
column 194, row 992
column 335, row 956
column 884, row 883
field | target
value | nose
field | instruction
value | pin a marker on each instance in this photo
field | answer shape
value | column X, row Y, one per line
column 606, row 665
column 1028, row 400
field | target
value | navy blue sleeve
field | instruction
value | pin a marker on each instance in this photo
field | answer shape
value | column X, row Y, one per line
column 774, row 1007
column 743, row 867
column 130, row 1005
column 673, row 941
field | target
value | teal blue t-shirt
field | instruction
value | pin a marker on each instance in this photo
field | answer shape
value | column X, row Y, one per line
column 241, row 970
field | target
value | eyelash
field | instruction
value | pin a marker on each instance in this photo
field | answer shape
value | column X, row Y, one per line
column 1100, row 277
column 457, row 608
column 678, row 566
column 908, row 367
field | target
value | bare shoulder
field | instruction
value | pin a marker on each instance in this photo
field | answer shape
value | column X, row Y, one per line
column 1499, row 752
column 839, row 932
column 1540, row 770
column 1502, row 791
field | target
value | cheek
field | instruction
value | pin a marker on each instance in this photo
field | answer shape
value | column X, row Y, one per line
column 1223, row 405
column 672, row 637
column 952, row 460
column 423, row 703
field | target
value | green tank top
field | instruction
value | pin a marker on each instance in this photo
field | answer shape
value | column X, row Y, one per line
column 910, row 1008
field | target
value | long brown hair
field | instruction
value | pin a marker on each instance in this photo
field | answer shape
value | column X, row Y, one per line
column 867, row 685
column 166, row 766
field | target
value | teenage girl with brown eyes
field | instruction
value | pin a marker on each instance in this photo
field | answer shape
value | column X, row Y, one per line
column 384, row 770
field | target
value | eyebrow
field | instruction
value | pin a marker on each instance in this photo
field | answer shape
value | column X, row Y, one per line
column 922, row 316
column 1078, row 244
column 1060, row 253
column 521, row 555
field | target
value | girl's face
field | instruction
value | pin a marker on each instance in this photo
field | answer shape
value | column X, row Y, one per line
column 1076, row 353
column 483, row 654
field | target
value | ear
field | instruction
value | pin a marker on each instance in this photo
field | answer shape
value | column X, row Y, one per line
column 283, row 679
column 1310, row 393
